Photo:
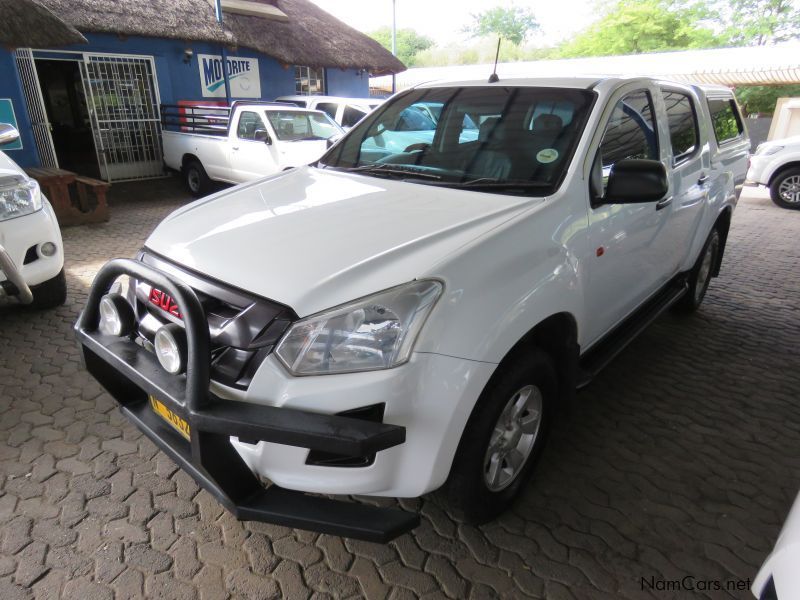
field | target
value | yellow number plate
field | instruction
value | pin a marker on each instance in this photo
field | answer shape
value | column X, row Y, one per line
column 170, row 417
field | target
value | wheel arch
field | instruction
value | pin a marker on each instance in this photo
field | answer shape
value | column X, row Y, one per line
column 557, row 336
column 187, row 158
column 722, row 225
column 795, row 164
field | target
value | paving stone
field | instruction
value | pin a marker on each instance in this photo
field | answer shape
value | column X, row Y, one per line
column 672, row 463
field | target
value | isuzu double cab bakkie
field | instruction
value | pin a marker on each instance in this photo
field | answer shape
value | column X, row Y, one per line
column 386, row 323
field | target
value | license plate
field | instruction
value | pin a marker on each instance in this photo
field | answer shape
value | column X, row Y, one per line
column 180, row 425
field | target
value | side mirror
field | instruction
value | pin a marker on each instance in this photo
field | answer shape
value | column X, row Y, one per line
column 261, row 135
column 8, row 134
column 636, row 180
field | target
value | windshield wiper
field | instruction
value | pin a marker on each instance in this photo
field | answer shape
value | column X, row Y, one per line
column 494, row 183
column 390, row 169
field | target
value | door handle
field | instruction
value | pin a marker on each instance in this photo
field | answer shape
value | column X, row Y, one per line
column 234, row 147
column 703, row 179
column 663, row 203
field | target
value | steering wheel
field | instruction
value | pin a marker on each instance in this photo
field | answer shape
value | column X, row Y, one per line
column 418, row 146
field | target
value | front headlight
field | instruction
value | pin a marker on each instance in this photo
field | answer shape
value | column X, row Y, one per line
column 19, row 197
column 376, row 332
column 763, row 150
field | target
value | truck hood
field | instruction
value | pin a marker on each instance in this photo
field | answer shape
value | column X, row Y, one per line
column 301, row 152
column 312, row 238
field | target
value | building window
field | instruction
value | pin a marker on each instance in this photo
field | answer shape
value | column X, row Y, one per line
column 309, row 80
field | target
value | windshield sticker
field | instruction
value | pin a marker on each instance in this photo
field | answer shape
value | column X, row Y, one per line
column 547, row 155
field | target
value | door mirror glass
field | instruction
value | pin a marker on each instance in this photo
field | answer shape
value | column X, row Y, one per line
column 636, row 180
column 261, row 135
column 8, row 134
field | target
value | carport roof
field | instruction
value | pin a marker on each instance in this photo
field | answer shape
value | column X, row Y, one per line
column 761, row 65
column 309, row 36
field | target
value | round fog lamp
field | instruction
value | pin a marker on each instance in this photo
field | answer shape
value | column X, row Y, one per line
column 116, row 315
column 47, row 249
column 170, row 347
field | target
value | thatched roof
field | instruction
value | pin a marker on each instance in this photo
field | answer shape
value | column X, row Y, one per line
column 27, row 23
column 175, row 19
column 310, row 36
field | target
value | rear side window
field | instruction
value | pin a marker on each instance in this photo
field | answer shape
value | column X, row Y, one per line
column 725, row 119
column 329, row 108
column 682, row 124
column 631, row 132
column 351, row 116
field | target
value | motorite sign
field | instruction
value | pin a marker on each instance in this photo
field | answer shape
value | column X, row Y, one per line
column 243, row 76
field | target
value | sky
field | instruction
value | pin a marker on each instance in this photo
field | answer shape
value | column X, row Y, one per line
column 443, row 20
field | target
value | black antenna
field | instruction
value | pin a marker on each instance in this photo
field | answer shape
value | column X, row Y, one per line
column 493, row 78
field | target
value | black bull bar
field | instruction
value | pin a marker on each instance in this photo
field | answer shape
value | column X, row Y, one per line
column 131, row 374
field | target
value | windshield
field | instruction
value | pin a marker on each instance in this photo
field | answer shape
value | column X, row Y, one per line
column 297, row 126
column 516, row 140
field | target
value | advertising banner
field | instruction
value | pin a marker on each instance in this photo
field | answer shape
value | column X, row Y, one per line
column 243, row 76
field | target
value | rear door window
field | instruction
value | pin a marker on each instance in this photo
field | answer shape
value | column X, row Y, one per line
column 683, row 125
column 725, row 119
column 329, row 108
column 352, row 115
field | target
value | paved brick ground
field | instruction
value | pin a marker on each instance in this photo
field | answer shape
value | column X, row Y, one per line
column 681, row 459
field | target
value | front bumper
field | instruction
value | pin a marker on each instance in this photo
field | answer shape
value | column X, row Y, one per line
column 18, row 238
column 131, row 374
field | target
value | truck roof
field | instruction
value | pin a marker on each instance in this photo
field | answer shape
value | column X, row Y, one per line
column 572, row 82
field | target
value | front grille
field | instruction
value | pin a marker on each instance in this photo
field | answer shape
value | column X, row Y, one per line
column 243, row 328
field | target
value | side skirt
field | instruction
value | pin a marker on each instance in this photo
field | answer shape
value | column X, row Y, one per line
column 602, row 353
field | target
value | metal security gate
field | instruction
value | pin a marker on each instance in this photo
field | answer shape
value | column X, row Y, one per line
column 122, row 95
column 36, row 110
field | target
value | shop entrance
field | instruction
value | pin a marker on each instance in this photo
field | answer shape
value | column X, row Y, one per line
column 68, row 114
column 94, row 114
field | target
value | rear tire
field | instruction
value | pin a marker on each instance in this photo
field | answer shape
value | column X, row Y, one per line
column 785, row 189
column 50, row 293
column 700, row 275
column 196, row 179
column 503, row 438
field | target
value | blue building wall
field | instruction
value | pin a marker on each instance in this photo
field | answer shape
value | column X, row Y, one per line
column 10, row 87
column 177, row 80
column 350, row 83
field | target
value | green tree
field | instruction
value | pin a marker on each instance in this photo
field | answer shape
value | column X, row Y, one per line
column 762, row 98
column 759, row 22
column 637, row 26
column 513, row 23
column 409, row 43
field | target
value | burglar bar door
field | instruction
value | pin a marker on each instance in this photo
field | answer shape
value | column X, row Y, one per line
column 124, row 106
column 36, row 110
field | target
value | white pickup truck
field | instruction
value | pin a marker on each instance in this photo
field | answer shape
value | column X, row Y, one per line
column 247, row 141
column 390, row 324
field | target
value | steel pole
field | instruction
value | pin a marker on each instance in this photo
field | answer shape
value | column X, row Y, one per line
column 225, row 78
column 394, row 41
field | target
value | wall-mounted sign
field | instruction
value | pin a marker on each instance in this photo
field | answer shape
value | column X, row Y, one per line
column 7, row 116
column 243, row 76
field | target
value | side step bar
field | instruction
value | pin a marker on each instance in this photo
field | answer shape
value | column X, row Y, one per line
column 615, row 342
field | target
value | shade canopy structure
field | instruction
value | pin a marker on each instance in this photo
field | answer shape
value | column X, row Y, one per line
column 761, row 65
column 27, row 23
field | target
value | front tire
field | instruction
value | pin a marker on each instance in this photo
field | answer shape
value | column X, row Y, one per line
column 503, row 438
column 785, row 189
column 50, row 293
column 700, row 275
column 196, row 179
